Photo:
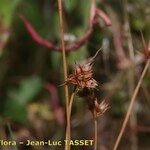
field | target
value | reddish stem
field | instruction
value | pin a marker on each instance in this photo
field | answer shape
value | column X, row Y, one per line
column 77, row 44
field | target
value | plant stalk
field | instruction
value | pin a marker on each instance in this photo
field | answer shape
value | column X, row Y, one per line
column 131, row 77
column 131, row 105
column 69, row 116
column 95, row 133
column 64, row 68
column 71, row 102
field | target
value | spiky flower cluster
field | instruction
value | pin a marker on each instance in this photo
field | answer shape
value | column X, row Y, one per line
column 83, row 76
column 100, row 109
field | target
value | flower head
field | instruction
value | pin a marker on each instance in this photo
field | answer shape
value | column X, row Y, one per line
column 100, row 109
column 83, row 76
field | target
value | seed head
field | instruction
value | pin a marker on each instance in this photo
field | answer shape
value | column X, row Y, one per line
column 82, row 76
column 100, row 109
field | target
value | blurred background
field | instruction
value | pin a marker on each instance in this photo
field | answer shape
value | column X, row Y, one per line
column 32, row 105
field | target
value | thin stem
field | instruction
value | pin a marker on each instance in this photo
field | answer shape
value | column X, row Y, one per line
column 95, row 133
column 71, row 102
column 64, row 67
column 131, row 77
column 131, row 106
column 68, row 136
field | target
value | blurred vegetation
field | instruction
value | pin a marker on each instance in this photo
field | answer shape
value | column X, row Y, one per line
column 26, row 67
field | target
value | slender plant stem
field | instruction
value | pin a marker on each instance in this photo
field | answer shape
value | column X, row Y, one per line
column 71, row 102
column 64, row 68
column 95, row 133
column 69, row 118
column 131, row 106
column 131, row 77
column 70, row 106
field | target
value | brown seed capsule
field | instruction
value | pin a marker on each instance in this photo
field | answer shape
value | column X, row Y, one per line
column 82, row 76
column 100, row 109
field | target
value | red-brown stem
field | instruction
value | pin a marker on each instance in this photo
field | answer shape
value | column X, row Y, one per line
column 79, row 42
column 131, row 106
column 48, row 44
column 103, row 15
